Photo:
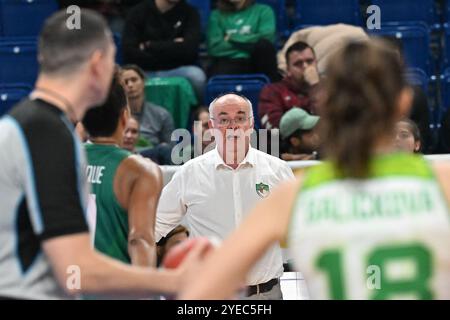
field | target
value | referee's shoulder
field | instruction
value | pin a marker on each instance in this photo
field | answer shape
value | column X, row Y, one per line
column 30, row 114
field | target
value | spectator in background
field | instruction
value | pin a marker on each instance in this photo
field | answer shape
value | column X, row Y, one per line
column 156, row 123
column 407, row 136
column 132, row 141
column 174, row 237
column 240, row 39
column 325, row 41
column 298, row 89
column 163, row 38
column 203, row 139
column 114, row 11
column 131, row 134
column 298, row 130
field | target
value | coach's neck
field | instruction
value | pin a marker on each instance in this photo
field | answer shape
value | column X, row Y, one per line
column 233, row 156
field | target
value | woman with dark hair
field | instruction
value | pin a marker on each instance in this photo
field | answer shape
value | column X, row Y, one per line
column 407, row 136
column 240, row 39
column 351, row 219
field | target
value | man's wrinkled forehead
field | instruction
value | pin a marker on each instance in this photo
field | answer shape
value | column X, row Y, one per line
column 225, row 113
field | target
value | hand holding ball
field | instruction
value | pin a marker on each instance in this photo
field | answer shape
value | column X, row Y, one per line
column 178, row 253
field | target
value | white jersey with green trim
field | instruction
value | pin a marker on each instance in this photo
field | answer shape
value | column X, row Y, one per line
column 386, row 237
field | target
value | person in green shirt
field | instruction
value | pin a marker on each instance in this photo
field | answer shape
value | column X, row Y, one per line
column 240, row 39
column 125, row 187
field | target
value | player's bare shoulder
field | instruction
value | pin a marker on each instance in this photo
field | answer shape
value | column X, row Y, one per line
column 143, row 167
column 137, row 168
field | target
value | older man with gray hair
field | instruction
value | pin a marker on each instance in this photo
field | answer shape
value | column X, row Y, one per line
column 215, row 191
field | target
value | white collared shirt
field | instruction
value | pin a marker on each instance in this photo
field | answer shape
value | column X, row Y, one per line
column 214, row 199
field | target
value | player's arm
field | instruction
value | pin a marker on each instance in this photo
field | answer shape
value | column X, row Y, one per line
column 58, row 220
column 100, row 274
column 226, row 268
column 139, row 193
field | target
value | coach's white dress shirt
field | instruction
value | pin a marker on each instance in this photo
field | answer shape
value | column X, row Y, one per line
column 214, row 199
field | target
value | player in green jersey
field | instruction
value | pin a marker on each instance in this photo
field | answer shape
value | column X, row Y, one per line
column 368, row 223
column 125, row 187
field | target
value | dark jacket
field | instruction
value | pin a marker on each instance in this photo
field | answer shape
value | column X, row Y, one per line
column 145, row 23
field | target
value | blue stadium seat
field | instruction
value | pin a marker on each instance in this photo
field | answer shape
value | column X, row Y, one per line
column 10, row 94
column 415, row 40
column 279, row 8
column 25, row 17
column 401, row 11
column 417, row 77
column 119, row 53
column 446, row 11
column 248, row 85
column 445, row 95
column 323, row 12
column 18, row 61
column 238, row 77
column 204, row 8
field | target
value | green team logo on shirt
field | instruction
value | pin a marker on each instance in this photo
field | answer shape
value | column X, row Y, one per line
column 262, row 190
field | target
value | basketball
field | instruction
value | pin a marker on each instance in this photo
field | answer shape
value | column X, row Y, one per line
column 177, row 254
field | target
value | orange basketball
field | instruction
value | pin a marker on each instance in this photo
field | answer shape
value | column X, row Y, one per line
column 177, row 254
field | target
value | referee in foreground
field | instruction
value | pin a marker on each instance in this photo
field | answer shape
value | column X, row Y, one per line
column 46, row 251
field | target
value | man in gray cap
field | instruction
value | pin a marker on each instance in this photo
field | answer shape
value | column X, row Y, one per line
column 300, row 139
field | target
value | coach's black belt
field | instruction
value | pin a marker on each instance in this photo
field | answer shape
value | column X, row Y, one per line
column 262, row 287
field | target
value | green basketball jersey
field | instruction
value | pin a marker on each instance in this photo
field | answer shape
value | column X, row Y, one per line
column 385, row 237
column 104, row 211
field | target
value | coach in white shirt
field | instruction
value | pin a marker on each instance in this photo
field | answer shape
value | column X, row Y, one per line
column 215, row 191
